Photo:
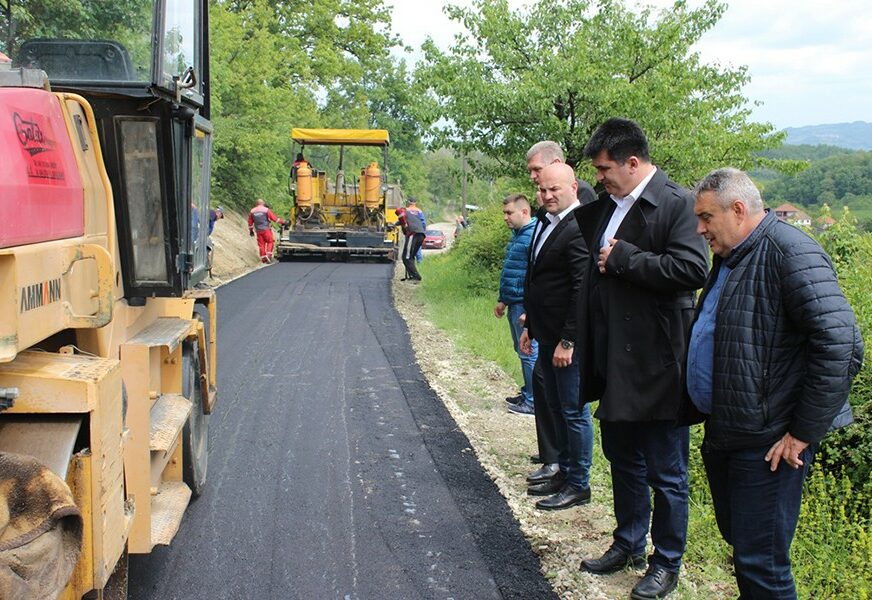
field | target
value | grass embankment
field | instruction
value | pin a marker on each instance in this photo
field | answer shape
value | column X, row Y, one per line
column 832, row 552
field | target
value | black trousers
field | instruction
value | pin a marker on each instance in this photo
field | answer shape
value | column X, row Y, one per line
column 410, row 249
column 546, row 425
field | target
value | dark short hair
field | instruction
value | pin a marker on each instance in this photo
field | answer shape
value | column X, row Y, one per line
column 620, row 139
column 512, row 198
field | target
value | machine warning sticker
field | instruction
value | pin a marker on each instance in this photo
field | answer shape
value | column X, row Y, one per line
column 40, row 294
column 36, row 137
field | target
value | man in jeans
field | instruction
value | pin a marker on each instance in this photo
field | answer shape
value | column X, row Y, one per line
column 773, row 350
column 558, row 265
column 516, row 214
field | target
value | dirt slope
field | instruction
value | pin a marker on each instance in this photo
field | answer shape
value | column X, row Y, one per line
column 235, row 251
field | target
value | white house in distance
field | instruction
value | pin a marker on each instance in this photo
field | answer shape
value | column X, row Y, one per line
column 791, row 214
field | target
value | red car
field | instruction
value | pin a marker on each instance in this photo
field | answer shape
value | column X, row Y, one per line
column 434, row 240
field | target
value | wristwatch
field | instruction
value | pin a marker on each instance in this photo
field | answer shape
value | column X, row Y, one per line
column 567, row 344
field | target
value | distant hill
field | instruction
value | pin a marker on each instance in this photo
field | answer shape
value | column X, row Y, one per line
column 804, row 152
column 856, row 135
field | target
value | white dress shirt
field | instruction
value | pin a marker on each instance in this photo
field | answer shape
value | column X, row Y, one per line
column 553, row 220
column 623, row 207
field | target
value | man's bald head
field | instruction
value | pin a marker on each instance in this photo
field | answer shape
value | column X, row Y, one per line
column 259, row 202
column 560, row 171
column 557, row 187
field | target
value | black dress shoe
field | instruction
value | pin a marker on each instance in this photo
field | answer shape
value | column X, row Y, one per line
column 612, row 561
column 543, row 473
column 549, row 487
column 567, row 497
column 657, row 583
column 515, row 399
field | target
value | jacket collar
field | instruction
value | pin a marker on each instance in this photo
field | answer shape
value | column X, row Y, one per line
column 652, row 192
column 636, row 221
column 592, row 217
column 551, row 237
column 750, row 242
column 528, row 226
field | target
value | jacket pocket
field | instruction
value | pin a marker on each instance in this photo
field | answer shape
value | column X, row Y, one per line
column 764, row 397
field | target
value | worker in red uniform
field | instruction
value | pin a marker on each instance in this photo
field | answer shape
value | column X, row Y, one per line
column 259, row 219
column 413, row 228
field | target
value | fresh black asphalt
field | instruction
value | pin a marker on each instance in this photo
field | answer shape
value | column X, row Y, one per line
column 334, row 470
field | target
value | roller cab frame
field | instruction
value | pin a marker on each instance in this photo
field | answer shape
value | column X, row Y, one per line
column 107, row 328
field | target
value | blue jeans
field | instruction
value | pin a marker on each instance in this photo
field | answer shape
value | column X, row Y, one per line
column 513, row 313
column 643, row 455
column 757, row 511
column 574, row 427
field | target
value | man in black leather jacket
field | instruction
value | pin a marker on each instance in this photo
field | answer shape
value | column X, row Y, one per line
column 773, row 349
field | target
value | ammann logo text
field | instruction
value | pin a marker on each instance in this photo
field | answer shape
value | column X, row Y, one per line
column 40, row 294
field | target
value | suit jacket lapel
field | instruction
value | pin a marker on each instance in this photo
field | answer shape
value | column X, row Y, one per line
column 633, row 224
column 592, row 220
column 553, row 236
column 537, row 233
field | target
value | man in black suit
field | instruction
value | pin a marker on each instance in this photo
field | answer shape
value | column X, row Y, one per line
column 558, row 260
column 635, row 311
column 540, row 155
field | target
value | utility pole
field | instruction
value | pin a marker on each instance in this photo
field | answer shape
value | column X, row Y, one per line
column 463, row 189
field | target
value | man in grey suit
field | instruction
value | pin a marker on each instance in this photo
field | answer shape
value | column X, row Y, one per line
column 635, row 312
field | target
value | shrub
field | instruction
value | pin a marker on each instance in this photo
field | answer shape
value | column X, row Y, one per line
column 848, row 451
column 481, row 248
column 833, row 544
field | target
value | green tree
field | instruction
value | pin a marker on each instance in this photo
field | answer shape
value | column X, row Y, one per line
column 383, row 99
column 558, row 69
column 836, row 180
column 76, row 19
column 253, row 104
column 277, row 65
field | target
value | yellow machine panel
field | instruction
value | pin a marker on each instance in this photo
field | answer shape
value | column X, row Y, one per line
column 339, row 214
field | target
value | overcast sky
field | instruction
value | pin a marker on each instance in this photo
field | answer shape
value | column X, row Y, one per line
column 810, row 62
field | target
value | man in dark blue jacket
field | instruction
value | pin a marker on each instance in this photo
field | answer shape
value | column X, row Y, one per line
column 516, row 214
column 773, row 349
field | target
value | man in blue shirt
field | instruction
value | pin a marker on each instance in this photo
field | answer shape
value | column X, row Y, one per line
column 773, row 349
